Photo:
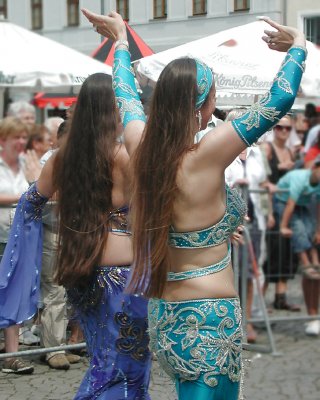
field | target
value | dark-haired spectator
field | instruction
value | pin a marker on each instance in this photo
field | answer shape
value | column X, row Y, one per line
column 39, row 140
column 311, row 115
column 278, row 267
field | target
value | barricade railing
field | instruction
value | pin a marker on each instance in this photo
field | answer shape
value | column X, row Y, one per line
column 249, row 254
column 241, row 276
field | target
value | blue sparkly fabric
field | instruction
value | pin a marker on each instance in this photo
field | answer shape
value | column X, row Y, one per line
column 277, row 102
column 21, row 262
column 218, row 233
column 198, row 344
column 115, row 328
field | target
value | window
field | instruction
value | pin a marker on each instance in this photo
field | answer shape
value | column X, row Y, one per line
column 73, row 12
column 241, row 5
column 36, row 14
column 199, row 7
column 159, row 8
column 123, row 9
column 3, row 8
column 312, row 29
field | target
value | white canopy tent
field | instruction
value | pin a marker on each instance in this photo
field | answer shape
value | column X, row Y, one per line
column 31, row 62
column 243, row 64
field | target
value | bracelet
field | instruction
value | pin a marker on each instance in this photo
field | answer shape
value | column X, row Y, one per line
column 121, row 42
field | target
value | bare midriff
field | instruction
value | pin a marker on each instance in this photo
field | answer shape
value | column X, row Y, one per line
column 118, row 250
column 216, row 285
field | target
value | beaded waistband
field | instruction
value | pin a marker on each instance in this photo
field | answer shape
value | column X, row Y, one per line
column 111, row 267
column 192, row 301
column 202, row 271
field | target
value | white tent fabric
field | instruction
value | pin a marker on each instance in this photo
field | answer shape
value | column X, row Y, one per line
column 243, row 64
column 32, row 62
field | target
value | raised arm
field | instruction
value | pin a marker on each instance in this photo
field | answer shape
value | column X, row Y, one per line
column 244, row 131
column 128, row 100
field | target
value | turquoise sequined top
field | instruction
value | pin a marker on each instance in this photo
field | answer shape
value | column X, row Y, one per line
column 218, row 233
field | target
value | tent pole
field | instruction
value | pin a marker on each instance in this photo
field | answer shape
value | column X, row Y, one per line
column 2, row 93
column 102, row 13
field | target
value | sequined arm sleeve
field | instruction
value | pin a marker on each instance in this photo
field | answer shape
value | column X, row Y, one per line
column 125, row 89
column 21, row 262
column 277, row 102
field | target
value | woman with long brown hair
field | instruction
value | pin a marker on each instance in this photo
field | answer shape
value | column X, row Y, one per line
column 182, row 212
column 89, row 173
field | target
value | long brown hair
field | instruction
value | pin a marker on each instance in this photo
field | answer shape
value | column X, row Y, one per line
column 169, row 134
column 83, row 178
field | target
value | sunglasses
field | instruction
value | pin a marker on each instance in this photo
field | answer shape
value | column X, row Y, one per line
column 283, row 128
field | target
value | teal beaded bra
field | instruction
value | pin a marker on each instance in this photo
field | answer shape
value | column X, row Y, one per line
column 218, row 233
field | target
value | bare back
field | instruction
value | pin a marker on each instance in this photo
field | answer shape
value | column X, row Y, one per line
column 200, row 203
column 118, row 250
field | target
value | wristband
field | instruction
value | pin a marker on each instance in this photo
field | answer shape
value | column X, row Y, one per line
column 121, row 41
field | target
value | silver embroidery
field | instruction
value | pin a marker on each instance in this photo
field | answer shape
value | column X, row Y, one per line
column 259, row 110
column 199, row 339
column 283, row 83
column 131, row 106
column 202, row 271
column 236, row 209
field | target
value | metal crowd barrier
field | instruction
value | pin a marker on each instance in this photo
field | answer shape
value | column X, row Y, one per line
column 241, row 276
column 249, row 254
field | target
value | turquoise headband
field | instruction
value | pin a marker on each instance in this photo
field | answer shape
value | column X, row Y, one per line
column 204, row 82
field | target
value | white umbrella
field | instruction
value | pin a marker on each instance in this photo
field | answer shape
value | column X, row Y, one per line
column 32, row 62
column 244, row 66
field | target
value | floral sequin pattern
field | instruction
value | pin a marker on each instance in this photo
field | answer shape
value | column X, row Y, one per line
column 264, row 114
column 197, row 339
column 34, row 203
column 236, row 210
column 202, row 271
column 124, row 86
column 133, row 339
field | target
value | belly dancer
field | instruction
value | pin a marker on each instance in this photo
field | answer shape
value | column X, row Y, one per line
column 182, row 213
column 90, row 174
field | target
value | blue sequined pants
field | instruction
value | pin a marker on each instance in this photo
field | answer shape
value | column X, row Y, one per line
column 198, row 344
column 115, row 329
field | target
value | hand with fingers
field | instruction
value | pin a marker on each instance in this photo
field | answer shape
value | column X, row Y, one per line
column 283, row 37
column 111, row 26
column 237, row 236
column 32, row 168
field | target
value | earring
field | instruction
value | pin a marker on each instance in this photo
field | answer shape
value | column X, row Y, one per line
column 199, row 116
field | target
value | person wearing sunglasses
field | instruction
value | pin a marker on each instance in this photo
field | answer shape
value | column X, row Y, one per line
column 278, row 265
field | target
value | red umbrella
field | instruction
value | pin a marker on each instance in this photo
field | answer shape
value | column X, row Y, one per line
column 42, row 99
column 138, row 48
column 104, row 53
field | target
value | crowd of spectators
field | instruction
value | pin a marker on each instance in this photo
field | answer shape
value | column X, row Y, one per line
column 25, row 146
column 283, row 227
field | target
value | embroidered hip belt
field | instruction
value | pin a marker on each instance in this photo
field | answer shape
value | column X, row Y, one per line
column 197, row 339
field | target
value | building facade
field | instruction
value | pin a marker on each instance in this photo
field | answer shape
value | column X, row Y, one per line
column 161, row 23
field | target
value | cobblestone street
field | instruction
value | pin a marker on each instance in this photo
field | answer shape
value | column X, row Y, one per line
column 294, row 375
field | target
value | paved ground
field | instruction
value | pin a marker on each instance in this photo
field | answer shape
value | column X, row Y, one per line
column 292, row 376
